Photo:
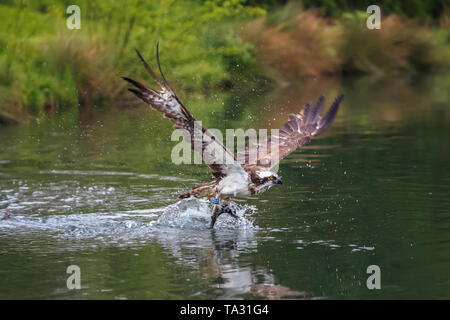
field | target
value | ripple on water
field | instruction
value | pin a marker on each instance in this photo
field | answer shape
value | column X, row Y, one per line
column 114, row 173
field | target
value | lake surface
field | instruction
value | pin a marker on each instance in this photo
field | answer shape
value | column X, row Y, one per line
column 98, row 190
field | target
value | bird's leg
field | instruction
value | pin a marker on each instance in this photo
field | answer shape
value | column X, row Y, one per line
column 216, row 211
column 219, row 208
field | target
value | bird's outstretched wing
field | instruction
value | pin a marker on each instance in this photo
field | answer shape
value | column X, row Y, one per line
column 218, row 158
column 297, row 132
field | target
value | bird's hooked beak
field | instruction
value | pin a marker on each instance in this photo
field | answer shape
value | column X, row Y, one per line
column 278, row 181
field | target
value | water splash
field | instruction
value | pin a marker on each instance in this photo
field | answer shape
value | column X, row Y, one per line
column 130, row 225
column 193, row 213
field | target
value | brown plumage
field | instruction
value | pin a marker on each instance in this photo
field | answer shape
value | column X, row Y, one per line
column 296, row 133
column 168, row 103
column 235, row 176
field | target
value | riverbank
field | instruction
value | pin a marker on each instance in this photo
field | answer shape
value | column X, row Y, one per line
column 46, row 68
column 295, row 43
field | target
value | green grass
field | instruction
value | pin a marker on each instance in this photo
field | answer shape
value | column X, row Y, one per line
column 46, row 68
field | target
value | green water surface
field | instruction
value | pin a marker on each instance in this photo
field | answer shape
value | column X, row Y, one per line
column 90, row 188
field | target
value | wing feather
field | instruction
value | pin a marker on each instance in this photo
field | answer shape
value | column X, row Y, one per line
column 216, row 156
column 297, row 132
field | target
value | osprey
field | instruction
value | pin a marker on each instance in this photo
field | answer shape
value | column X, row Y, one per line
column 233, row 177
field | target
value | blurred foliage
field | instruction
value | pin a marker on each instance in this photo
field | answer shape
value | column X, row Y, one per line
column 427, row 10
column 45, row 68
column 204, row 45
column 400, row 45
column 297, row 43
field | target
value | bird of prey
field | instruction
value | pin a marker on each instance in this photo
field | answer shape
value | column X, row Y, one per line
column 234, row 177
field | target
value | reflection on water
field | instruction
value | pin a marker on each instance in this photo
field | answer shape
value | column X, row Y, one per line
column 100, row 191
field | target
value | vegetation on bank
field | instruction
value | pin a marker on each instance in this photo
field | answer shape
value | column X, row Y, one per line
column 204, row 45
column 45, row 68
column 297, row 43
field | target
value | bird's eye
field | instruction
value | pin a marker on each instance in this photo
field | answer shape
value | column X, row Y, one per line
column 272, row 178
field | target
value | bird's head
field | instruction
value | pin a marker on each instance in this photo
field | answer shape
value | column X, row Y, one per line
column 268, row 178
